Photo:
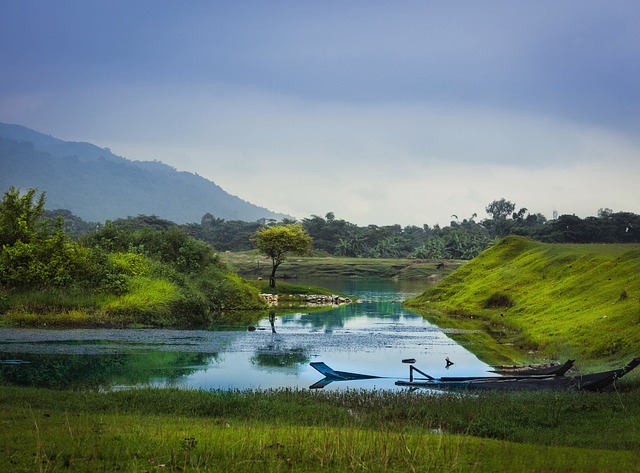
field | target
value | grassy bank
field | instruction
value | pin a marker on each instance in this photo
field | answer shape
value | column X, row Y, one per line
column 147, row 304
column 172, row 430
column 538, row 300
column 285, row 289
column 252, row 265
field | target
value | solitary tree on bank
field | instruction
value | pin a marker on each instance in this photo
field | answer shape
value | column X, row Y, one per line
column 276, row 241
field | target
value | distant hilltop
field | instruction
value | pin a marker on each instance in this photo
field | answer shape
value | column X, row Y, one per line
column 96, row 185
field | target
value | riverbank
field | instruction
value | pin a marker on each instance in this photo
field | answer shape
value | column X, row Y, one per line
column 173, row 430
column 543, row 301
column 144, row 307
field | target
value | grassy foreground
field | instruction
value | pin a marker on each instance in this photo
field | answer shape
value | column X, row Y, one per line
column 172, row 430
column 554, row 300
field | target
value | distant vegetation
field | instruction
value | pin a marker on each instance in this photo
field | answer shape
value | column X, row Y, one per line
column 111, row 276
column 559, row 301
column 461, row 239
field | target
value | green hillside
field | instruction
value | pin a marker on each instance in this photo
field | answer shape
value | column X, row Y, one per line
column 540, row 300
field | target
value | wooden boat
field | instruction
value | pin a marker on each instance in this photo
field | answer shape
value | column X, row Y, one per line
column 586, row 382
column 534, row 369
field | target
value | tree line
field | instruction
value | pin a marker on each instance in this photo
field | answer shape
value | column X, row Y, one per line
column 461, row 239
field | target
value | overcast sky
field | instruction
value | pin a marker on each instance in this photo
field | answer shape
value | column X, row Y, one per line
column 382, row 112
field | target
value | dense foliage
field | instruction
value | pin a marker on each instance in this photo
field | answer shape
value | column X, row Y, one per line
column 461, row 239
column 113, row 275
column 32, row 254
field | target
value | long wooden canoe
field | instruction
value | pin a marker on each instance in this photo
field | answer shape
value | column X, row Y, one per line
column 586, row 382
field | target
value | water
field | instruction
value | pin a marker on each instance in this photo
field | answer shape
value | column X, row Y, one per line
column 372, row 337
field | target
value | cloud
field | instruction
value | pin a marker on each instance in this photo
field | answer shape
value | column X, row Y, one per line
column 397, row 162
column 403, row 113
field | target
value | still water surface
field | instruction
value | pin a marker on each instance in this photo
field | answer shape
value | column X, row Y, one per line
column 372, row 336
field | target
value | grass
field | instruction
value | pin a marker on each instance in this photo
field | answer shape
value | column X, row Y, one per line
column 148, row 301
column 291, row 430
column 288, row 289
column 252, row 265
column 545, row 300
column 50, row 307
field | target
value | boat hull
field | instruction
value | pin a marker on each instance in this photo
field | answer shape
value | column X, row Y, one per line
column 586, row 382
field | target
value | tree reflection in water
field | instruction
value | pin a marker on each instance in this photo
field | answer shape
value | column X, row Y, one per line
column 277, row 355
column 57, row 371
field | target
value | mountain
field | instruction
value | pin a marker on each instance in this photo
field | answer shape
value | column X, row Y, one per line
column 97, row 185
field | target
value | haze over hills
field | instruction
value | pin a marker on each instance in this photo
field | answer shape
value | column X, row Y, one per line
column 97, row 185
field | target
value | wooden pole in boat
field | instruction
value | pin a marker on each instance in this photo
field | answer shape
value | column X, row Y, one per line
column 413, row 368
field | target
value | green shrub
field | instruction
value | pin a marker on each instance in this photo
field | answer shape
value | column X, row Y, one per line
column 149, row 301
column 130, row 264
column 498, row 300
column 149, row 276
column 48, row 262
column 4, row 303
column 225, row 290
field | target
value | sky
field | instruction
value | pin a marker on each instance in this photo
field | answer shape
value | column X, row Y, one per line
column 382, row 112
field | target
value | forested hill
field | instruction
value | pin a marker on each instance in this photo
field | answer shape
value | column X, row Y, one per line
column 97, row 185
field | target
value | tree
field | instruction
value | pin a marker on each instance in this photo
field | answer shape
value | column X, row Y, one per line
column 30, row 254
column 20, row 217
column 500, row 209
column 278, row 240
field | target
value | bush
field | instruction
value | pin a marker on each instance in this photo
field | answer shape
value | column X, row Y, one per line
column 498, row 301
column 129, row 264
column 225, row 290
column 149, row 301
column 148, row 276
column 48, row 262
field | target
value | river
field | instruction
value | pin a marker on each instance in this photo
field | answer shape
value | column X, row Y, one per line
column 372, row 336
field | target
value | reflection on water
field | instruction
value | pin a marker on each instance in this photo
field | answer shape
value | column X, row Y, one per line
column 67, row 371
column 372, row 337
